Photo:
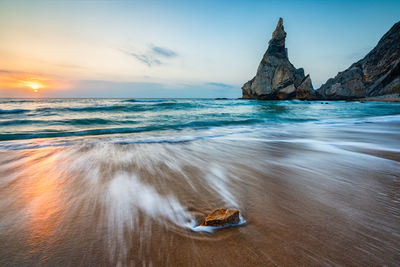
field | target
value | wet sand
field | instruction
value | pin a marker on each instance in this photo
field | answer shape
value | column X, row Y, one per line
column 310, row 195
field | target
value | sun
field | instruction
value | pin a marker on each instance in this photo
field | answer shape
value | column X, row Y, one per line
column 29, row 83
column 32, row 84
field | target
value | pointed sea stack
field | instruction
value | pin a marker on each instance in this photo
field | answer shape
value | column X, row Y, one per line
column 276, row 77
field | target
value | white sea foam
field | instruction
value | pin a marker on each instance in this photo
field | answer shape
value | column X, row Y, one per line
column 126, row 198
column 127, row 195
column 219, row 182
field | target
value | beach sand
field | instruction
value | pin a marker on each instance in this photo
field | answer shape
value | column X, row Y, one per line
column 310, row 197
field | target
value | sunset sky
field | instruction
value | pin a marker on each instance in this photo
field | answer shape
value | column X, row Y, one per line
column 174, row 48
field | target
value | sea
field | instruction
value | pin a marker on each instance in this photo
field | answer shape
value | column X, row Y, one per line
column 127, row 182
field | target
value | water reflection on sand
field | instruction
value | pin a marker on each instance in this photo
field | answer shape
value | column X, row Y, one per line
column 310, row 195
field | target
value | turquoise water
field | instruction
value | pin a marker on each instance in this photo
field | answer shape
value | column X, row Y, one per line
column 163, row 120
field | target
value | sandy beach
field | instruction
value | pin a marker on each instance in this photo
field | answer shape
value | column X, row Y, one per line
column 323, row 196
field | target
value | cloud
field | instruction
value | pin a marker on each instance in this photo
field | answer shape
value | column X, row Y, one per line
column 221, row 85
column 4, row 71
column 154, row 55
column 146, row 59
column 163, row 51
column 68, row 66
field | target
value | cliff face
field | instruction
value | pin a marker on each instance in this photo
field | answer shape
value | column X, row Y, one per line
column 276, row 77
column 378, row 73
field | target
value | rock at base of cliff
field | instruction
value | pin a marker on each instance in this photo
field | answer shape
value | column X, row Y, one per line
column 222, row 217
column 305, row 90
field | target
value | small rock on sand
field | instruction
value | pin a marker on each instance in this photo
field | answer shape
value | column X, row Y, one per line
column 221, row 217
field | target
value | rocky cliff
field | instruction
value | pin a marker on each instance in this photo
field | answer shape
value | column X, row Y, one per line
column 378, row 73
column 276, row 77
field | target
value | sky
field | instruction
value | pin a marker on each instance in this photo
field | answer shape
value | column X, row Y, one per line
column 158, row 49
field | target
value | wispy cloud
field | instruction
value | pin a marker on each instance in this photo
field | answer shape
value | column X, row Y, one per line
column 154, row 55
column 162, row 51
column 68, row 66
column 221, row 85
column 146, row 59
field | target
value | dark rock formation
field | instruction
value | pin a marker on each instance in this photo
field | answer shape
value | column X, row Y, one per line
column 221, row 217
column 378, row 73
column 305, row 90
column 276, row 77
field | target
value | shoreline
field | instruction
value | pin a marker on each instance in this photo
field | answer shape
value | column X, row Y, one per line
column 381, row 99
column 395, row 99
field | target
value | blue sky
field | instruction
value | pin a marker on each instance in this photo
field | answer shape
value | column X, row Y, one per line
column 176, row 48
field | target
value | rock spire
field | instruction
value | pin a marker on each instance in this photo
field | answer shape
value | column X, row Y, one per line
column 276, row 77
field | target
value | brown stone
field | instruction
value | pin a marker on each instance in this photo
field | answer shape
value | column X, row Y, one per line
column 221, row 217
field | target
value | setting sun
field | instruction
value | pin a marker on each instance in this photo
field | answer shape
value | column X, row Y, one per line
column 24, row 81
column 23, row 84
column 34, row 85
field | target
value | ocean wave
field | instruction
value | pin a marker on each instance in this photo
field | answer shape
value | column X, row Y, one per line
column 388, row 118
column 72, row 122
column 50, row 133
column 146, row 101
column 216, row 123
column 21, row 122
column 162, row 126
column 170, row 105
column 19, row 144
column 96, row 108
column 8, row 101
column 82, row 109
column 129, row 105
column 139, row 107
column 348, row 121
column 13, row 111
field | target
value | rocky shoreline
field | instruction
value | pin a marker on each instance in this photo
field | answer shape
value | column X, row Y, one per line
column 383, row 98
column 376, row 75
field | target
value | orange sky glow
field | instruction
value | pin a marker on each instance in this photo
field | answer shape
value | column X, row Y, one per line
column 28, row 82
